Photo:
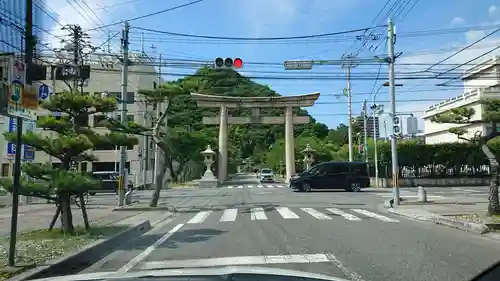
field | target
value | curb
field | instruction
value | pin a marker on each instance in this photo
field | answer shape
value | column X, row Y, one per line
column 438, row 219
column 85, row 256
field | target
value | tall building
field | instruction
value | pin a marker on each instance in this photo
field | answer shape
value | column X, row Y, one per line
column 370, row 130
column 12, row 22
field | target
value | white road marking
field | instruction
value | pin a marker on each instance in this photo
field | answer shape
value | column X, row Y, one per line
column 250, row 186
column 244, row 260
column 286, row 213
column 140, row 257
column 373, row 215
column 343, row 214
column 229, row 215
column 260, row 186
column 240, row 186
column 414, row 196
column 200, row 217
column 258, row 214
column 316, row 214
column 230, row 186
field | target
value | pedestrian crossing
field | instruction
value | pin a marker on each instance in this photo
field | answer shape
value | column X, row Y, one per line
column 286, row 213
column 262, row 185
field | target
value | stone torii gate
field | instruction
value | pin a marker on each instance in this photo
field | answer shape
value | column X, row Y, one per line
column 255, row 103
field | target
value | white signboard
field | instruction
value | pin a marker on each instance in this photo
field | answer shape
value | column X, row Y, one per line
column 298, row 65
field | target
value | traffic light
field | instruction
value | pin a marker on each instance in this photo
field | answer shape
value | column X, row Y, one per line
column 396, row 128
column 361, row 149
column 228, row 63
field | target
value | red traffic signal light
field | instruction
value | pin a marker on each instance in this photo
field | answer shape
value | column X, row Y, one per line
column 238, row 63
column 228, row 62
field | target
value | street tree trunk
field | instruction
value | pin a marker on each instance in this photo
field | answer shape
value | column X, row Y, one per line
column 493, row 201
column 159, row 140
column 66, row 216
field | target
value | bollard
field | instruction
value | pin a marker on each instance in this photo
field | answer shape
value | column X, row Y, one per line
column 422, row 195
column 128, row 197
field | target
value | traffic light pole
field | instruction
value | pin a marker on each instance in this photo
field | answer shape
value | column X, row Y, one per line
column 392, row 91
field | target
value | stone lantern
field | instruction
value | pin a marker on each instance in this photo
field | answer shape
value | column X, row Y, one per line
column 208, row 179
column 308, row 156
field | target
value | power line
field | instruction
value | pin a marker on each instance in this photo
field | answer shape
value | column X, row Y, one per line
column 255, row 38
column 148, row 15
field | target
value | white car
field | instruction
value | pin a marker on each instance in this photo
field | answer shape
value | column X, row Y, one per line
column 266, row 175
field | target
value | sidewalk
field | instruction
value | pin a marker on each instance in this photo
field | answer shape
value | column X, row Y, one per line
column 38, row 216
column 464, row 213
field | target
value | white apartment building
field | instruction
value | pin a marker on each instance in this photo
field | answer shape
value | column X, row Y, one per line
column 105, row 76
column 480, row 82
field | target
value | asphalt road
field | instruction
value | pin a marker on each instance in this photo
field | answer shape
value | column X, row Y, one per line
column 340, row 234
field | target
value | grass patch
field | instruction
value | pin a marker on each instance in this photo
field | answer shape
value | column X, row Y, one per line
column 39, row 246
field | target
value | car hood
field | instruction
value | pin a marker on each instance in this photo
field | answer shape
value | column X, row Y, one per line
column 186, row 272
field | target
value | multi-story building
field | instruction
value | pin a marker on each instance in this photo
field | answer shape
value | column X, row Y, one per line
column 480, row 82
column 13, row 13
column 370, row 131
column 105, row 77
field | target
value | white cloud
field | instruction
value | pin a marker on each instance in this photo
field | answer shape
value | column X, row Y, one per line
column 492, row 11
column 87, row 16
column 457, row 21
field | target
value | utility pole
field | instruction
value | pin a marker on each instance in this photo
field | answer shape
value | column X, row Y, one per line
column 123, row 149
column 392, row 90
column 158, row 114
column 348, row 62
column 76, row 33
column 365, row 129
column 145, row 147
column 30, row 44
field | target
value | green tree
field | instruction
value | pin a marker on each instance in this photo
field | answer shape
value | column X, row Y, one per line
column 72, row 144
column 464, row 116
column 162, row 97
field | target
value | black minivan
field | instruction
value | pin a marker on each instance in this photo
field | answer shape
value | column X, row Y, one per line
column 350, row 176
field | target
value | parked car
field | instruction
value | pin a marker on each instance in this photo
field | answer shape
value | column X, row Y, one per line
column 350, row 176
column 109, row 182
column 266, row 175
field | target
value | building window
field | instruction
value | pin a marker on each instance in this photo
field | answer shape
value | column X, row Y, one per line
column 5, row 169
column 105, row 147
column 130, row 118
column 83, row 167
column 82, row 121
column 129, row 98
column 98, row 120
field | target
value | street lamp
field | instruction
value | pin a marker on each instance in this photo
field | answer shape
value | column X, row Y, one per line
column 377, row 110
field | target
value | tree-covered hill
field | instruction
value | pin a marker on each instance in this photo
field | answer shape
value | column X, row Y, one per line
column 254, row 141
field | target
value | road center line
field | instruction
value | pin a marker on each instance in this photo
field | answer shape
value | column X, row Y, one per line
column 140, row 257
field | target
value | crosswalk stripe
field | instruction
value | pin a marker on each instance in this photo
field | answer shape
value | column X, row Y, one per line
column 316, row 214
column 200, row 217
column 258, row 214
column 286, row 213
column 343, row 214
column 260, row 186
column 230, row 186
column 373, row 215
column 240, row 186
column 229, row 215
column 249, row 186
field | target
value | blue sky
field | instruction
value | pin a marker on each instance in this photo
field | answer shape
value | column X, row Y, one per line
column 281, row 18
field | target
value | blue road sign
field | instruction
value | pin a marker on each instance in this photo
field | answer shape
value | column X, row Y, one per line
column 11, row 149
column 12, row 124
column 29, row 153
column 43, row 92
